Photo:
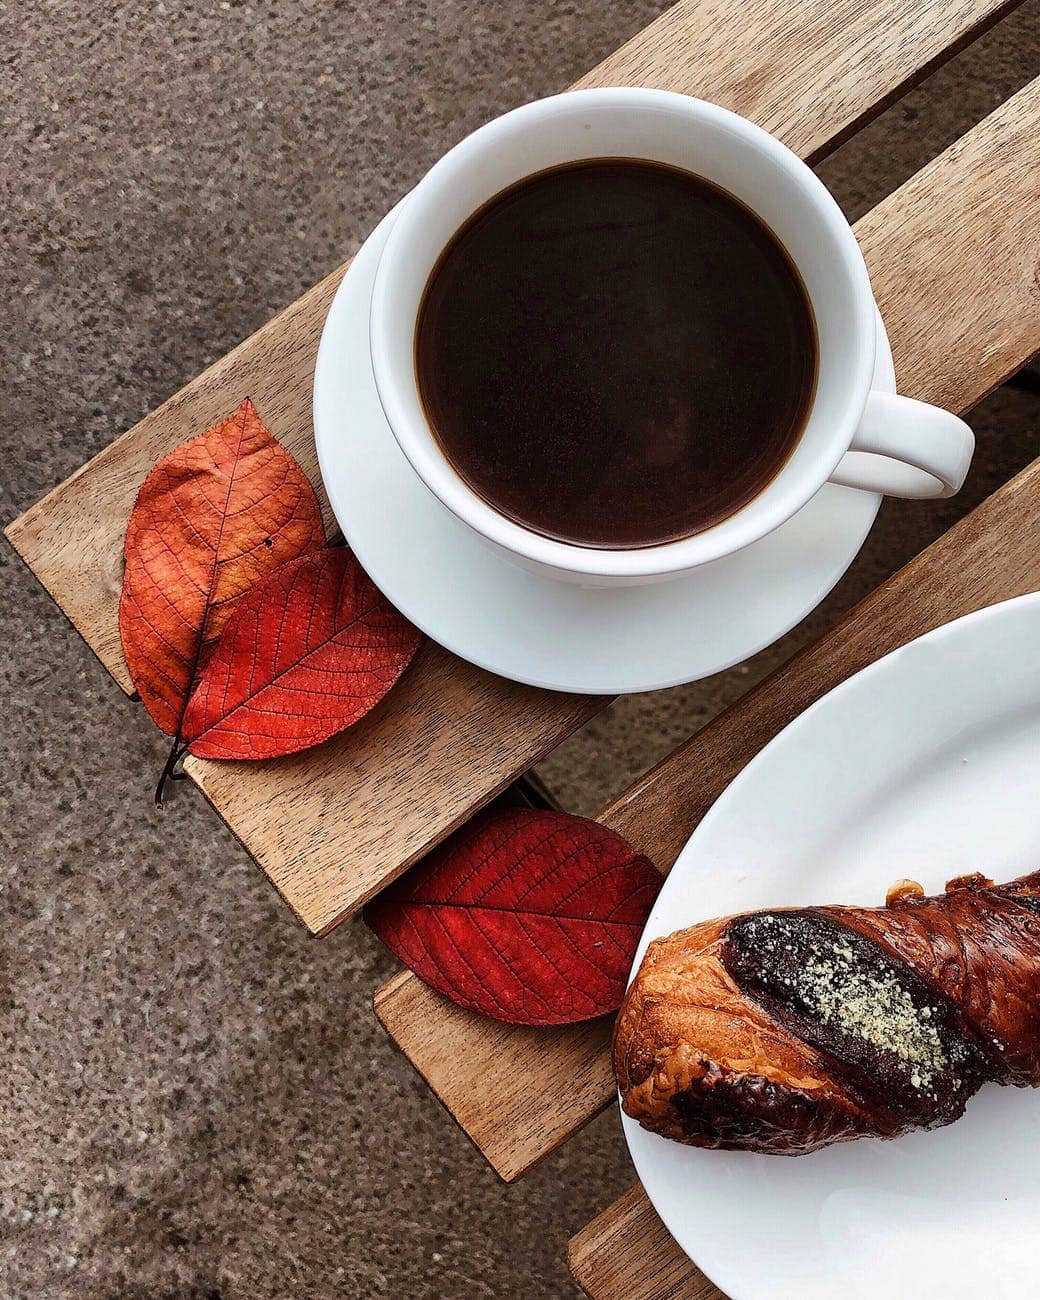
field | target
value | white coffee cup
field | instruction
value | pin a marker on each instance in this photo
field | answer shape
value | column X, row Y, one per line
column 853, row 436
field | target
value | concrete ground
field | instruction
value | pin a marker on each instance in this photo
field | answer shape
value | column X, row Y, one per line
column 195, row 1099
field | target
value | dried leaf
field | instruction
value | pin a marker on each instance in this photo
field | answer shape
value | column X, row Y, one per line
column 306, row 653
column 527, row 916
column 211, row 519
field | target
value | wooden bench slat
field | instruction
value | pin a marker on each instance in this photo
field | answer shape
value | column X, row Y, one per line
column 953, row 257
column 811, row 73
column 518, row 1093
column 626, row 1253
column 331, row 827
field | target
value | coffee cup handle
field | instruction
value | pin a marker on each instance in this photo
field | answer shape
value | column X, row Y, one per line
column 906, row 448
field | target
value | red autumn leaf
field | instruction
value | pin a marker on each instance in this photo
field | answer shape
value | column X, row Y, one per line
column 306, row 653
column 211, row 519
column 527, row 916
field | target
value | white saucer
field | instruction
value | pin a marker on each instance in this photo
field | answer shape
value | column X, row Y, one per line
column 534, row 629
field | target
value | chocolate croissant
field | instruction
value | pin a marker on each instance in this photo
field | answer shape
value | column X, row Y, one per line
column 784, row 1031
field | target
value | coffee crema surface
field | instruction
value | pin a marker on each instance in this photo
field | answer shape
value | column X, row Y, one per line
column 616, row 354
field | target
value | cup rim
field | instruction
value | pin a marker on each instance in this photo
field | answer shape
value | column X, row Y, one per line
column 397, row 384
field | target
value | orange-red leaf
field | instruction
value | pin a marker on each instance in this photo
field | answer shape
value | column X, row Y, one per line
column 211, row 519
column 305, row 654
column 527, row 916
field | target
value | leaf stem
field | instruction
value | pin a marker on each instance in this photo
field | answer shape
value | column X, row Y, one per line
column 177, row 751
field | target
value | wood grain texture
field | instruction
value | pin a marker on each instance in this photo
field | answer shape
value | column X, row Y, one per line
column 405, row 1003
column 330, row 828
column 954, row 257
column 626, row 1253
column 763, row 59
column 333, row 825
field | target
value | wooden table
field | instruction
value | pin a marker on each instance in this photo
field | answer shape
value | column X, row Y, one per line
column 954, row 256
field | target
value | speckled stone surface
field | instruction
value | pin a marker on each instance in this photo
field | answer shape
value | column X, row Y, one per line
column 195, row 1099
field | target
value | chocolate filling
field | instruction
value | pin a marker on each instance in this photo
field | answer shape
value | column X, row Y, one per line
column 897, row 1040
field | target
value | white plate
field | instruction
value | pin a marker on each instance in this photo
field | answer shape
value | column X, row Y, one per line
column 926, row 765
column 535, row 629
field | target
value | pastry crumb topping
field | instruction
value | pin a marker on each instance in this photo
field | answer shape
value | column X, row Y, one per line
column 874, row 1007
column 842, row 992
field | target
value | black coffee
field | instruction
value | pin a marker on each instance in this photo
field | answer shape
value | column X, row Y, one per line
column 616, row 353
